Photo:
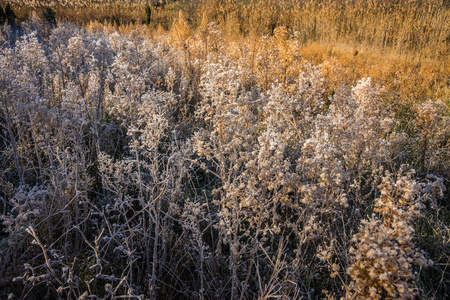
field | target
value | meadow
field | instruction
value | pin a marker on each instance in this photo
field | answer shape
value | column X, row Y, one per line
column 225, row 149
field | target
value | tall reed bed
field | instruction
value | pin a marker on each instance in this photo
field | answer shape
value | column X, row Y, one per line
column 403, row 45
column 406, row 25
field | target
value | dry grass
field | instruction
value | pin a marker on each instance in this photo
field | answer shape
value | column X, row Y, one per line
column 219, row 154
column 419, row 25
column 403, row 45
column 413, row 78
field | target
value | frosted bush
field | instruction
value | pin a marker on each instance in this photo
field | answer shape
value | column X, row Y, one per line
column 384, row 253
column 433, row 122
column 28, row 205
column 189, row 167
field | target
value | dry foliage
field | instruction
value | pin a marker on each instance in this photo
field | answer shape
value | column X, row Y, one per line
column 191, row 163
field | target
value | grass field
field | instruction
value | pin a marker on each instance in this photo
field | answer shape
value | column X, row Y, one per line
column 225, row 149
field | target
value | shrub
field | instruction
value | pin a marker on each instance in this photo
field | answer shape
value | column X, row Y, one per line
column 49, row 15
column 2, row 16
column 384, row 253
column 148, row 15
column 192, row 167
column 10, row 15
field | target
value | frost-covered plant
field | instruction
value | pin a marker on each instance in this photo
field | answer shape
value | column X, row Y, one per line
column 384, row 253
column 27, row 206
column 191, row 167
column 433, row 125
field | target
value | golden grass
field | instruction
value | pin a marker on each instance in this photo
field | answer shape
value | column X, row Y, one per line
column 413, row 78
column 419, row 25
column 403, row 45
